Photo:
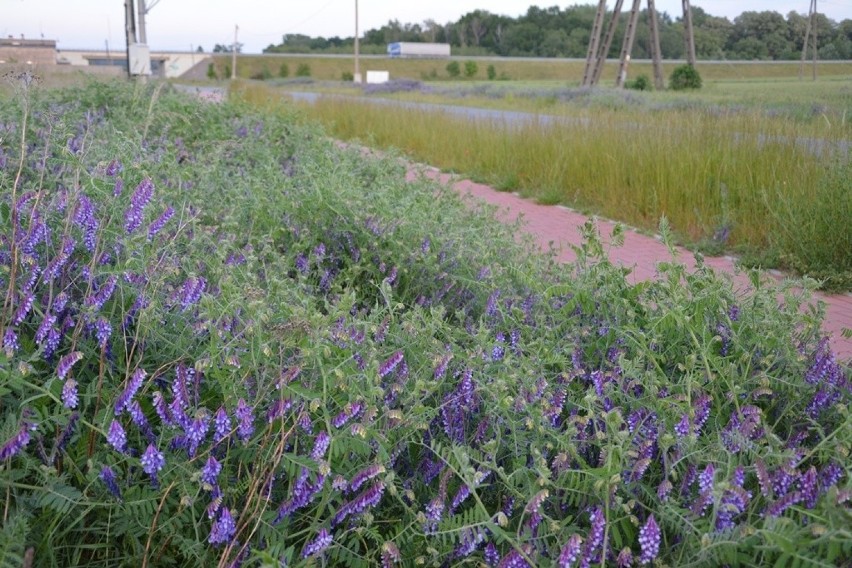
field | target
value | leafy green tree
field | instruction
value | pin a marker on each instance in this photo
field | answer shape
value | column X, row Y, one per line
column 303, row 70
column 453, row 69
column 491, row 72
column 284, row 71
column 470, row 69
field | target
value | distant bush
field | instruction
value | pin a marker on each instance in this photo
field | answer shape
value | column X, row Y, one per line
column 492, row 73
column 303, row 70
column 640, row 83
column 263, row 75
column 211, row 72
column 227, row 73
column 685, row 77
column 284, row 71
column 347, row 76
column 470, row 68
column 453, row 69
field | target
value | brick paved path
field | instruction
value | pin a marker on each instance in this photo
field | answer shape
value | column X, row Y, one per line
column 560, row 226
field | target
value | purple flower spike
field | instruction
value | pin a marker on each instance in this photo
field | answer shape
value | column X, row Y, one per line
column 69, row 394
column 135, row 383
column 17, row 442
column 114, row 168
column 245, row 421
column 67, row 362
column 210, row 471
column 570, row 555
column 625, row 558
column 10, row 342
column 321, row 444
column 649, row 541
column 152, row 461
column 160, row 222
column 108, row 477
column 141, row 197
column 221, row 425
column 318, row 545
column 223, row 529
column 116, row 437
column 392, row 363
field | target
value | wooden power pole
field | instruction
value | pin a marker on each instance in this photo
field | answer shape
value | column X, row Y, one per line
column 234, row 54
column 688, row 35
column 812, row 23
column 129, row 30
column 607, row 43
column 594, row 43
column 656, row 53
column 627, row 44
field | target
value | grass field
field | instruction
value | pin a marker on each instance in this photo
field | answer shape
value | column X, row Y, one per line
column 730, row 166
column 569, row 70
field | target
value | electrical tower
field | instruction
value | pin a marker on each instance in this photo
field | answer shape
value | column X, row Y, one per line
column 596, row 55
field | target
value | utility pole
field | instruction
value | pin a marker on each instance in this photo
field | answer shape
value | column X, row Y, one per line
column 627, row 45
column 603, row 50
column 129, row 30
column 594, row 42
column 234, row 54
column 357, row 76
column 656, row 53
column 812, row 24
column 689, row 36
column 143, row 37
column 815, row 38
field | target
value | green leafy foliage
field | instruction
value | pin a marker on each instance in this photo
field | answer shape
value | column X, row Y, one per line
column 685, row 77
column 312, row 361
column 453, row 69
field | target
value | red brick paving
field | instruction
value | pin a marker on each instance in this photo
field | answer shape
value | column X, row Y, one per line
column 560, row 226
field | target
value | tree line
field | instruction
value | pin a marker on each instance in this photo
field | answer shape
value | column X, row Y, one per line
column 565, row 32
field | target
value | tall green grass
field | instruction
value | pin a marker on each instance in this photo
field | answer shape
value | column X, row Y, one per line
column 709, row 174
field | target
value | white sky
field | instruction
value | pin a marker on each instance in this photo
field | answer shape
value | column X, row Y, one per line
column 185, row 24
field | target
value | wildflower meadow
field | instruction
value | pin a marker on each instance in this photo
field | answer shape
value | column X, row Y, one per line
column 226, row 341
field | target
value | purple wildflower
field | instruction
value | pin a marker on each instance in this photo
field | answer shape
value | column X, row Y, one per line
column 118, row 187
column 777, row 508
column 278, row 408
column 221, row 425
column 99, row 298
column 135, row 383
column 434, row 513
column 117, row 437
column 69, row 394
column 23, row 309
column 570, row 552
column 223, row 528
column 625, row 558
column 67, row 432
column 318, row 545
column 114, row 168
column 10, row 342
column 160, row 222
column 108, row 477
column 210, row 471
column 649, row 541
column 809, row 487
column 196, row 431
column 390, row 365
column 513, row 560
column 302, row 263
column 17, row 442
column 152, row 461
column 245, row 420
column 681, row 429
column 369, row 498
column 460, row 497
column 365, row 475
column 141, row 196
column 492, row 555
column 596, row 535
column 702, row 411
column 321, row 444
column 705, row 479
column 67, row 362
column 103, row 331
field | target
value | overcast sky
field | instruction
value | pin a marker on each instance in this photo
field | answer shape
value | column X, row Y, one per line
column 185, row 24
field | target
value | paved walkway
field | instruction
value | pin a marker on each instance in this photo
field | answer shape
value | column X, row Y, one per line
column 561, row 226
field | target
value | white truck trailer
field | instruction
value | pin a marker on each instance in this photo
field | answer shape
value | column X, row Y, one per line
column 422, row 50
